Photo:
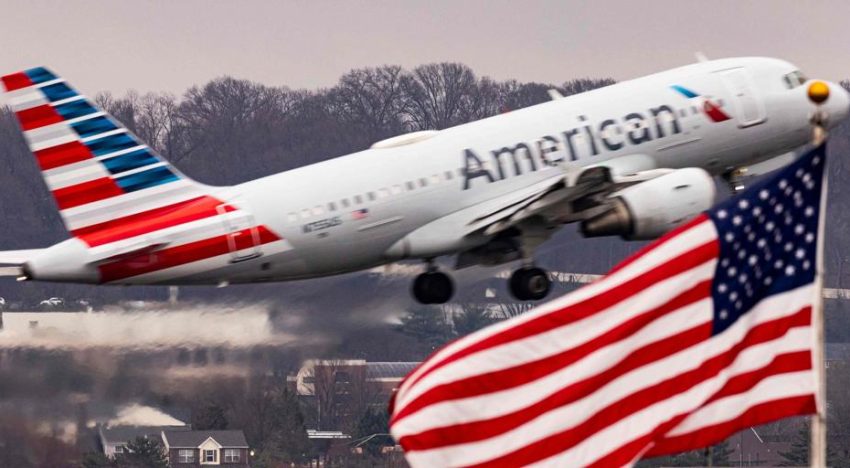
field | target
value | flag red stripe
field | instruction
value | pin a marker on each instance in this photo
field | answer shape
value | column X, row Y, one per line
column 586, row 308
column 151, row 220
column 86, row 192
column 783, row 363
column 62, row 155
column 180, row 255
column 659, row 243
column 646, row 397
column 38, row 116
column 521, row 374
column 483, row 429
column 16, row 81
column 758, row 414
column 628, row 452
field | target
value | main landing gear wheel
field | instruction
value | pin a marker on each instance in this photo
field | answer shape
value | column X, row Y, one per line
column 433, row 287
column 529, row 284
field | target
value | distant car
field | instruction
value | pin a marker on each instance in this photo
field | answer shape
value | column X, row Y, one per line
column 52, row 302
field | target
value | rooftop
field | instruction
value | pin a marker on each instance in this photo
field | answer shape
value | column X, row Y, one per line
column 124, row 434
column 389, row 370
column 193, row 439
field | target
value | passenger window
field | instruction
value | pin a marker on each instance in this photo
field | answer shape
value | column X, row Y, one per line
column 331, row 206
column 435, row 179
column 410, row 185
column 305, row 213
column 448, row 175
column 358, row 199
column 423, row 182
column 371, row 196
column 344, row 202
column 383, row 193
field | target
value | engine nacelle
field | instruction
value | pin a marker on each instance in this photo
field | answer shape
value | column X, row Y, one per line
column 650, row 209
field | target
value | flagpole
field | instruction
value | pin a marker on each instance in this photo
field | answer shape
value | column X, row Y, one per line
column 817, row 450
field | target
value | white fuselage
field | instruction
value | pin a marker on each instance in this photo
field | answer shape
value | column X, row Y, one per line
column 351, row 212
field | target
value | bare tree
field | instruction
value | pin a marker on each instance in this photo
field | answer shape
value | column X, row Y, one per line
column 370, row 99
column 437, row 95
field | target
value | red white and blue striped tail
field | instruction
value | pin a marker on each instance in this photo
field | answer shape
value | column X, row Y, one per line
column 97, row 170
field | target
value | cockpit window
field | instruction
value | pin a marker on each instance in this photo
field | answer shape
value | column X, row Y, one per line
column 794, row 79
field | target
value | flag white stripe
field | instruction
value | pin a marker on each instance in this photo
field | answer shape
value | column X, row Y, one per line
column 557, row 340
column 560, row 419
column 82, row 172
column 129, row 204
column 26, row 99
column 731, row 407
column 683, row 242
column 54, row 136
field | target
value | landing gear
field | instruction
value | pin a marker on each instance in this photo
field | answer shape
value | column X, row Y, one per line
column 433, row 287
column 735, row 179
column 529, row 283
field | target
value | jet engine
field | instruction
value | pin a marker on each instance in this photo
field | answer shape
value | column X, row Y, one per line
column 649, row 209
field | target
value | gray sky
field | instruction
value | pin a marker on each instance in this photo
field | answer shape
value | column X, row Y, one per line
column 169, row 45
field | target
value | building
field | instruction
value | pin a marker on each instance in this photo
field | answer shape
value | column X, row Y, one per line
column 114, row 440
column 340, row 390
column 197, row 448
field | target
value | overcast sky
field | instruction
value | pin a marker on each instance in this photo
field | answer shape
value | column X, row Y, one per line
column 170, row 45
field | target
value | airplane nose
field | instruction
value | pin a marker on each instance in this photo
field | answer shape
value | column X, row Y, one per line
column 832, row 98
column 840, row 105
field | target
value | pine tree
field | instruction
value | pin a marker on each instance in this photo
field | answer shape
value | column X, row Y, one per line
column 428, row 325
column 97, row 460
column 143, row 452
column 374, row 421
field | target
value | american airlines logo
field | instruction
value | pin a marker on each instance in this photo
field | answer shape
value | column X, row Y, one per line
column 588, row 138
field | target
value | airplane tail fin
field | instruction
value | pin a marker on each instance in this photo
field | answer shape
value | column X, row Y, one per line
column 100, row 174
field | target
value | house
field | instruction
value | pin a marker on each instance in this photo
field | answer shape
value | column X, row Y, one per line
column 199, row 448
column 114, row 439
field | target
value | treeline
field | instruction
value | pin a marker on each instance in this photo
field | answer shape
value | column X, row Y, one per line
column 232, row 130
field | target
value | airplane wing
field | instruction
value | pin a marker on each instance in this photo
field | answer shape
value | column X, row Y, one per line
column 556, row 199
column 613, row 195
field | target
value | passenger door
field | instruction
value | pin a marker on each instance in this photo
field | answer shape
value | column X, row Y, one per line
column 750, row 109
column 243, row 236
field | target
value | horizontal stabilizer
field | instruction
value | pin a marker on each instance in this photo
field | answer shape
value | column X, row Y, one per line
column 17, row 257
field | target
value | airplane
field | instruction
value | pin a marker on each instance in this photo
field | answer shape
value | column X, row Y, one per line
column 633, row 159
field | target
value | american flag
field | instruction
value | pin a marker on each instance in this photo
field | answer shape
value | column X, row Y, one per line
column 705, row 332
column 360, row 214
